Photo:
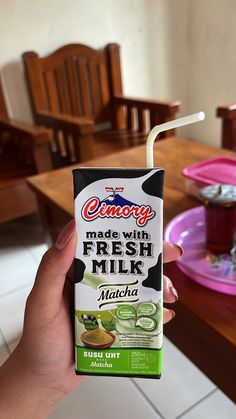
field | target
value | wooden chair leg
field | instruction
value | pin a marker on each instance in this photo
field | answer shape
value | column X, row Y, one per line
column 86, row 149
column 53, row 220
column 42, row 158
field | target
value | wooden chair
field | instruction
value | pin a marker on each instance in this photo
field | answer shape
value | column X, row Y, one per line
column 77, row 92
column 23, row 151
column 228, row 134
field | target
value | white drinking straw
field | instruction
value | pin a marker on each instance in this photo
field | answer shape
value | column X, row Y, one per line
column 190, row 119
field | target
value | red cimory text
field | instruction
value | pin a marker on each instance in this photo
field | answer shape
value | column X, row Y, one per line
column 93, row 209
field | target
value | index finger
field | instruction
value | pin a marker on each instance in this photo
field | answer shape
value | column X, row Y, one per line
column 171, row 252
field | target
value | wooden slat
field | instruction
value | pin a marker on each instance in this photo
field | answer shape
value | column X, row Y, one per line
column 72, row 81
column 131, row 118
column 35, row 79
column 128, row 118
column 45, row 76
column 54, row 142
column 61, row 155
column 104, row 85
column 84, row 87
column 114, row 69
column 148, row 120
column 142, row 124
column 62, row 89
column 160, row 117
column 61, row 141
column 71, row 148
column 154, row 118
column 94, row 85
column 51, row 89
column 113, row 51
column 68, row 143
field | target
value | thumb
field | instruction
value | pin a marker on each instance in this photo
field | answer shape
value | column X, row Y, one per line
column 46, row 294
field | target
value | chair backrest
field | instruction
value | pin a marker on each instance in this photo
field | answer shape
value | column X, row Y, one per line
column 227, row 113
column 3, row 108
column 76, row 80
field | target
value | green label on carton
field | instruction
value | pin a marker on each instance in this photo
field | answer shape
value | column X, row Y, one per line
column 119, row 362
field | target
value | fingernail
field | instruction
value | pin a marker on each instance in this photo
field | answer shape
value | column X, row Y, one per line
column 173, row 291
column 180, row 249
column 172, row 313
column 65, row 235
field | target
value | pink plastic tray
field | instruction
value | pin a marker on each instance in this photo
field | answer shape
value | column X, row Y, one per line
column 212, row 171
column 215, row 272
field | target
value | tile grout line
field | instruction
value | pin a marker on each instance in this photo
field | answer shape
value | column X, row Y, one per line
column 196, row 403
column 32, row 254
column 143, row 394
column 17, row 289
column 28, row 247
column 5, row 342
column 18, row 340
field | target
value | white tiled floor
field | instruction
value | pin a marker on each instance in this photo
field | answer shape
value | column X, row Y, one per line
column 181, row 385
column 183, row 391
column 105, row 398
column 11, row 315
column 13, row 254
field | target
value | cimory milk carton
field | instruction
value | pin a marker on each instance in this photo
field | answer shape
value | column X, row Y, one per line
column 118, row 271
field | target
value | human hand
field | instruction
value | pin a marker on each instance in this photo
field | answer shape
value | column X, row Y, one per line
column 43, row 362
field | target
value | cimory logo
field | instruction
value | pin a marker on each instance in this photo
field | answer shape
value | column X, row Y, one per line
column 115, row 206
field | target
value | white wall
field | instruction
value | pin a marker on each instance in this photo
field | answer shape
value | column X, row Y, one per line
column 212, row 66
column 141, row 27
column 46, row 25
column 171, row 49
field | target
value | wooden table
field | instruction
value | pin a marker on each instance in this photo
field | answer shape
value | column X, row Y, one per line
column 205, row 324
